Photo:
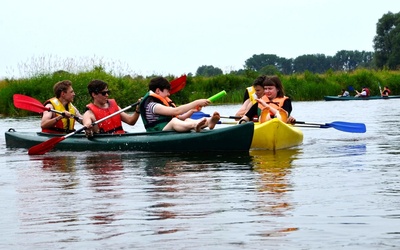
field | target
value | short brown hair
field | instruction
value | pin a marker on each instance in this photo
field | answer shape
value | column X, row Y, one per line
column 61, row 86
column 159, row 83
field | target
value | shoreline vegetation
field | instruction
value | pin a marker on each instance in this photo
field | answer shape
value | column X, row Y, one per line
column 127, row 89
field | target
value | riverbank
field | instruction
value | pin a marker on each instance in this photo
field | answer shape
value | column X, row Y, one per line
column 127, row 89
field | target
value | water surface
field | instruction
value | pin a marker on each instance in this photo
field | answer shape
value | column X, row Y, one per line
column 336, row 190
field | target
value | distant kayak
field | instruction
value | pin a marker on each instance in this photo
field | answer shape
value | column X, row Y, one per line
column 353, row 98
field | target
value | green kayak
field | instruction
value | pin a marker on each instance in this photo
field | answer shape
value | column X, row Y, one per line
column 353, row 98
column 232, row 138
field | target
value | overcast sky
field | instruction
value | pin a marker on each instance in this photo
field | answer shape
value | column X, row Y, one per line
column 177, row 36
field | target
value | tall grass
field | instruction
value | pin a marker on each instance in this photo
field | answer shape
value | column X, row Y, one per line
column 126, row 89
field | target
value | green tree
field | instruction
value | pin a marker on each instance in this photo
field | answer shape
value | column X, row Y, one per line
column 208, row 70
column 347, row 60
column 387, row 41
column 259, row 62
column 317, row 63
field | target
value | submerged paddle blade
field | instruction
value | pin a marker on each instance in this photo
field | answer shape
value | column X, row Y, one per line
column 348, row 127
column 45, row 146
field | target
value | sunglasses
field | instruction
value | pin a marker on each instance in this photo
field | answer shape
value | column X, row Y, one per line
column 104, row 92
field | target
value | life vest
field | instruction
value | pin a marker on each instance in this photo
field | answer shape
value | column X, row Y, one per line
column 112, row 125
column 276, row 103
column 367, row 91
column 162, row 120
column 64, row 125
column 251, row 90
column 386, row 91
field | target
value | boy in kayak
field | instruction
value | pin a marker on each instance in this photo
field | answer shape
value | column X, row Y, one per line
column 252, row 93
column 65, row 123
column 159, row 113
column 101, row 107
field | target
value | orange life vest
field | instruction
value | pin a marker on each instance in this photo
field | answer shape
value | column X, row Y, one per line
column 112, row 125
column 276, row 103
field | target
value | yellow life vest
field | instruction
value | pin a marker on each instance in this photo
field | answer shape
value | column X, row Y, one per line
column 251, row 90
column 64, row 125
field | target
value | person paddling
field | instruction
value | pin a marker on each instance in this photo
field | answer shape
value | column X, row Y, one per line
column 385, row 91
column 101, row 107
column 65, row 123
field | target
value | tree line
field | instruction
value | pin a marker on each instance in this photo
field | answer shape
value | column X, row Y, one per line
column 386, row 55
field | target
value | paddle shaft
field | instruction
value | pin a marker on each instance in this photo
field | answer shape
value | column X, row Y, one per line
column 323, row 125
column 199, row 114
column 102, row 119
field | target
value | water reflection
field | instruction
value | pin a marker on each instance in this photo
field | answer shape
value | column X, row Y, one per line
column 105, row 176
column 181, row 187
column 65, row 166
column 274, row 185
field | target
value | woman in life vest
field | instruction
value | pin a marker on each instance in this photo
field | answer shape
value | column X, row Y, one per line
column 101, row 107
column 252, row 93
column 385, row 91
column 55, row 123
column 273, row 104
column 159, row 113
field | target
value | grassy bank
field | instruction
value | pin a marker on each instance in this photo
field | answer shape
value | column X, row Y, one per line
column 126, row 90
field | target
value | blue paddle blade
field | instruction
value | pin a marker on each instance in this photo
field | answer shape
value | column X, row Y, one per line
column 198, row 115
column 348, row 127
column 351, row 88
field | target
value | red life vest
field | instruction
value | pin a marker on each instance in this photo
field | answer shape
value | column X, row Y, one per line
column 368, row 91
column 112, row 125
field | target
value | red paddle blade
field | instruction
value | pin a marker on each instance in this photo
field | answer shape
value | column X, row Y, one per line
column 177, row 84
column 28, row 103
column 45, row 146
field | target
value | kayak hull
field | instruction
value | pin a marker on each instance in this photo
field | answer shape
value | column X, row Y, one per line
column 233, row 138
column 275, row 134
column 353, row 98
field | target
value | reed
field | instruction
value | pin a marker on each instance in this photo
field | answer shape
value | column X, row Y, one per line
column 126, row 89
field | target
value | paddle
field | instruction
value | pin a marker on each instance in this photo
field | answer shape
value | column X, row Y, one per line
column 46, row 146
column 199, row 114
column 342, row 126
column 31, row 104
column 177, row 84
column 380, row 89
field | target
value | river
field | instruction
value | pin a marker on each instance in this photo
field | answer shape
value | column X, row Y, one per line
column 336, row 190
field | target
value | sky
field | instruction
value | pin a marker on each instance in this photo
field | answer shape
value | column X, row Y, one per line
column 175, row 37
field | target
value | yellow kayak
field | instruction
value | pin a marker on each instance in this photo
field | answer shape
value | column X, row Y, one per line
column 275, row 134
